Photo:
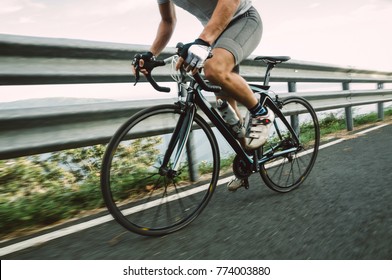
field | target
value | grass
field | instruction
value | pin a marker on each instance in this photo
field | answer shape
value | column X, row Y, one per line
column 332, row 124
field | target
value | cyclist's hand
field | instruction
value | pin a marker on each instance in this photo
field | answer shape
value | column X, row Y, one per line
column 138, row 62
column 193, row 55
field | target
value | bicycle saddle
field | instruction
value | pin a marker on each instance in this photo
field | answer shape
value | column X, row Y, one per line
column 273, row 59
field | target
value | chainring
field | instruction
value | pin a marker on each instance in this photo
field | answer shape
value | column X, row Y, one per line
column 240, row 168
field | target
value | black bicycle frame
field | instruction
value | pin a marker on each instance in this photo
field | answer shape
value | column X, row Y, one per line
column 184, row 125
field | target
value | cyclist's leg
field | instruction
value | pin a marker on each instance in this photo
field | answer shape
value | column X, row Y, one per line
column 246, row 98
column 237, row 42
column 224, row 96
column 218, row 70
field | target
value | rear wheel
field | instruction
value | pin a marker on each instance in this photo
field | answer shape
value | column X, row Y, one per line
column 146, row 198
column 288, row 170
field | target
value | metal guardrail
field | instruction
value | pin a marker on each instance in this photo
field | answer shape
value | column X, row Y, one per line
column 31, row 60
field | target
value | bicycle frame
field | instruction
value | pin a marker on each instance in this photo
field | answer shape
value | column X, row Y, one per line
column 183, row 128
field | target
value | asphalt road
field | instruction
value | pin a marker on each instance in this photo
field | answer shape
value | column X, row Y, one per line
column 342, row 211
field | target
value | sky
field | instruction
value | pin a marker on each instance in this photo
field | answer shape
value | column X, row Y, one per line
column 341, row 32
column 353, row 33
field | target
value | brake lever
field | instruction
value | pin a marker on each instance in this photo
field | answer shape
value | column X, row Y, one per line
column 137, row 75
column 135, row 63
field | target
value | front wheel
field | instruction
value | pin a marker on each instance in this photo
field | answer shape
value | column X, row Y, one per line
column 291, row 162
column 143, row 195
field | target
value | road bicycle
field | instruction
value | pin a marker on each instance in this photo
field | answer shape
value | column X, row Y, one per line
column 161, row 167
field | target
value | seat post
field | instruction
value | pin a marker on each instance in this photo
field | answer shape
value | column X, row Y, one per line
column 270, row 66
column 271, row 61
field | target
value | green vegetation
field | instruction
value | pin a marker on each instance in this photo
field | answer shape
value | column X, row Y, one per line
column 37, row 191
column 331, row 123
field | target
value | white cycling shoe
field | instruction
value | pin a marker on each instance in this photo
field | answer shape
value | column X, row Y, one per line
column 237, row 183
column 258, row 129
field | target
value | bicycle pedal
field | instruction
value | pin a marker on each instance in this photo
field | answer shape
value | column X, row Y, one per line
column 246, row 183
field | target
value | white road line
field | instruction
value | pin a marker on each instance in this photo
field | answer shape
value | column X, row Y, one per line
column 53, row 235
column 371, row 129
column 85, row 225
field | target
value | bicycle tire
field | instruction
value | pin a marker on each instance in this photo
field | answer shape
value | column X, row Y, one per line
column 136, row 194
column 287, row 172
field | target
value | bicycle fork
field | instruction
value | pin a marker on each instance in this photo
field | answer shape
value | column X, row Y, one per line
column 179, row 139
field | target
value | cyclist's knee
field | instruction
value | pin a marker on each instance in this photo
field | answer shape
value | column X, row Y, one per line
column 219, row 68
column 216, row 74
column 210, row 72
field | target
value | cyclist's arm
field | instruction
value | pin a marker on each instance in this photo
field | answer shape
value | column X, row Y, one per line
column 165, row 28
column 221, row 17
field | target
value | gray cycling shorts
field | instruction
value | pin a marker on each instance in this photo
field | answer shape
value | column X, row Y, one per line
column 242, row 35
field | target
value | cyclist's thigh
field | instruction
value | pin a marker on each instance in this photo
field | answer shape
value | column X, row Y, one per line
column 242, row 36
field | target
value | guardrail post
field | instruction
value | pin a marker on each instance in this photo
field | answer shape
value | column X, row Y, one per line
column 191, row 156
column 292, row 86
column 348, row 110
column 380, row 105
